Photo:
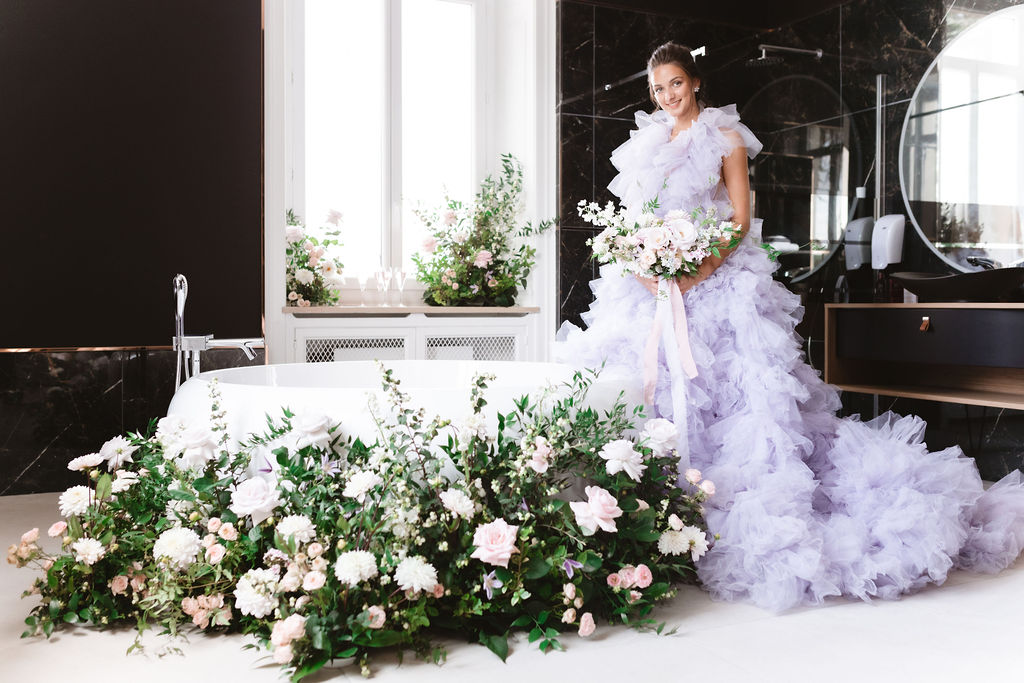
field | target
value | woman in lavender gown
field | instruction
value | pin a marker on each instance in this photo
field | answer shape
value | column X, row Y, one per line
column 807, row 505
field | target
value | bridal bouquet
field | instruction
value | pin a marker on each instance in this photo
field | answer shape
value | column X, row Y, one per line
column 656, row 247
column 326, row 547
column 470, row 258
column 313, row 277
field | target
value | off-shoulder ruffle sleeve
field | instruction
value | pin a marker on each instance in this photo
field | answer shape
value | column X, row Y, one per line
column 635, row 184
column 728, row 119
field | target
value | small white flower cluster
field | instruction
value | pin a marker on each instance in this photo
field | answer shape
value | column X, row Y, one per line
column 255, row 593
column 653, row 246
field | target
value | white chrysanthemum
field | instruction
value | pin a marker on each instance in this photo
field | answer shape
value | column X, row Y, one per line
column 360, row 483
column 123, row 480
column 179, row 545
column 88, row 550
column 75, row 501
column 254, row 593
column 297, row 527
column 458, row 503
column 620, row 456
column 673, row 542
column 84, row 462
column 117, row 452
column 355, row 566
column 697, row 540
column 304, row 276
column 415, row 574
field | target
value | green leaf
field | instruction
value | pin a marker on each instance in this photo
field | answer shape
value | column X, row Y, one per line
column 203, row 484
column 522, row 621
column 71, row 618
column 498, row 644
column 48, row 628
column 538, row 567
column 103, row 485
column 178, row 494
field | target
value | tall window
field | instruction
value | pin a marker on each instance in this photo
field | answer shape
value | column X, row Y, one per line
column 385, row 119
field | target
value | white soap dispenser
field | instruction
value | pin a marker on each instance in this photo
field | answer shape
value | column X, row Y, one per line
column 887, row 241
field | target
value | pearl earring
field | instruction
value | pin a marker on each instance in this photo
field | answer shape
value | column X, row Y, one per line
column 697, row 89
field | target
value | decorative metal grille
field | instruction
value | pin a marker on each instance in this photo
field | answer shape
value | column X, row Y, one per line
column 471, row 348
column 374, row 348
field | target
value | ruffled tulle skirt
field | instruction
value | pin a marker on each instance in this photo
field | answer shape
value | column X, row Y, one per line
column 807, row 505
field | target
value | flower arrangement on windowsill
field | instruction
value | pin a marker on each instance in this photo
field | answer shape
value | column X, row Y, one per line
column 343, row 547
column 313, row 276
column 474, row 255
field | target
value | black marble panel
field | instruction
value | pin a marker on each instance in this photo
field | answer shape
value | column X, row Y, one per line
column 576, row 58
column 576, row 270
column 575, row 166
column 55, row 406
column 608, row 134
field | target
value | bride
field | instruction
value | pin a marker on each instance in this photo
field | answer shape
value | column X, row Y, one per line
column 808, row 505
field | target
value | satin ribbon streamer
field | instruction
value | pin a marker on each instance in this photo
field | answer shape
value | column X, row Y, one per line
column 669, row 330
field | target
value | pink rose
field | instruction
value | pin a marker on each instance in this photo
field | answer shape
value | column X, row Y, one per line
column 495, row 542
column 315, row 550
column 208, row 540
column 201, row 618
column 642, row 577
column 599, row 511
column 708, row 487
column 450, row 217
column 570, row 590
column 538, row 463
column 635, row 595
column 138, row 582
column 313, row 581
column 439, row 590
column 569, row 616
column 213, row 525
column 189, row 606
column 693, row 476
column 429, row 245
column 56, row 529
column 287, row 630
column 628, row 576
column 376, row 617
column 215, row 553
column 228, row 532
column 483, row 258
column 586, row 624
column 119, row 584
column 334, row 216
column 30, row 536
column 614, row 580
column 282, row 654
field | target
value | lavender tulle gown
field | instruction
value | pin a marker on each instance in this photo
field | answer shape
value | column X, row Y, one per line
column 807, row 505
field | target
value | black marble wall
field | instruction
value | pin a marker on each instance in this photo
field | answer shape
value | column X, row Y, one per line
column 55, row 406
column 601, row 46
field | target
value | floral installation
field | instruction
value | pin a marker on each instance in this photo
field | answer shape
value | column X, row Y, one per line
column 474, row 255
column 654, row 246
column 325, row 547
column 313, row 275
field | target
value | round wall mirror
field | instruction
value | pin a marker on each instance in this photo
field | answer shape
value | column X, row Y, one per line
column 962, row 148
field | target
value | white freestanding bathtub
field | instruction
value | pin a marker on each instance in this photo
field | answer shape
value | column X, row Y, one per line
column 341, row 390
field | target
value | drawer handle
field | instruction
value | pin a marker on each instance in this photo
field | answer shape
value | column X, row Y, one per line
column 926, row 323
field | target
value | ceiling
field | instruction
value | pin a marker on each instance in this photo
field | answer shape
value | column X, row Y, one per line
column 759, row 14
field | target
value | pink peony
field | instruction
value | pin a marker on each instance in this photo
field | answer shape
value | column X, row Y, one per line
column 56, row 529
column 642, row 577
column 282, row 654
column 599, row 511
column 495, row 542
column 614, row 580
column 429, row 245
column 483, row 258
column 119, row 584
column 376, row 617
column 215, row 553
column 628, row 576
column 313, row 581
column 586, row 624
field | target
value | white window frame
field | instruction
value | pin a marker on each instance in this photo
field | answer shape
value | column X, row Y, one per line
column 516, row 111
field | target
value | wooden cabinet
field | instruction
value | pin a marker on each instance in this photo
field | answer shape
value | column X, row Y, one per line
column 970, row 353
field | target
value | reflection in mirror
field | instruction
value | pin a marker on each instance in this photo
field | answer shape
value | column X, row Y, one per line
column 962, row 150
column 801, row 177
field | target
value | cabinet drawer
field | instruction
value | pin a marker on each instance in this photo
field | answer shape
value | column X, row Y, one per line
column 981, row 337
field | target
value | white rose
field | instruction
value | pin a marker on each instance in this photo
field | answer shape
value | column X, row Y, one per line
column 294, row 233
column 458, row 503
column 310, row 429
column 622, row 457
column 661, row 435
column 646, row 259
column 304, row 276
column 196, row 446
column 256, row 497
column 685, row 232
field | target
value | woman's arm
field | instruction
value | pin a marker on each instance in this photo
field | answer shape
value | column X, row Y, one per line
column 737, row 183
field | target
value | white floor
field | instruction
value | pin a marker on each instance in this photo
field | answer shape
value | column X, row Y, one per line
column 971, row 629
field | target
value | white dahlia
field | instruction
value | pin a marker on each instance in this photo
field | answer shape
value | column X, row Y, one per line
column 360, row 483
column 297, row 527
column 254, row 593
column 415, row 574
column 75, row 501
column 179, row 545
column 88, row 550
column 355, row 566
column 84, row 462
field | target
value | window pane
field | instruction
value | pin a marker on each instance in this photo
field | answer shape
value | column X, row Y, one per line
column 437, row 109
column 345, row 92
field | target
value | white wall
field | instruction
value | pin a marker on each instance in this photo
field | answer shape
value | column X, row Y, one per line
column 518, row 116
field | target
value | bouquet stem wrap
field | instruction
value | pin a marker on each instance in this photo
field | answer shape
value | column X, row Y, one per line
column 669, row 329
